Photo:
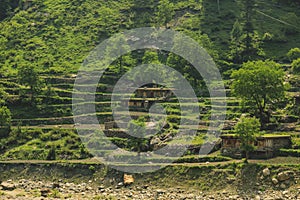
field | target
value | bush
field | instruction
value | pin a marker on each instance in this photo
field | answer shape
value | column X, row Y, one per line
column 289, row 152
column 293, row 54
column 296, row 66
column 198, row 159
column 52, row 154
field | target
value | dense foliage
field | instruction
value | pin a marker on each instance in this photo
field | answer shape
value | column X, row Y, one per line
column 44, row 42
column 260, row 83
column 247, row 129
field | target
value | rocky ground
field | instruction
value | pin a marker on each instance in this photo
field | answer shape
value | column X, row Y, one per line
column 27, row 189
column 207, row 182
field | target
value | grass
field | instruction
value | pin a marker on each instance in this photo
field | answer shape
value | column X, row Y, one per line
column 283, row 161
column 190, row 15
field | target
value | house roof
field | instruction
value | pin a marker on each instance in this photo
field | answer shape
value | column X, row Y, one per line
column 155, row 89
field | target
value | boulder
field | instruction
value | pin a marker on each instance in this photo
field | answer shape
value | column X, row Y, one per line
column 8, row 186
column 45, row 192
column 274, row 181
column 282, row 186
column 266, row 172
column 128, row 179
column 286, row 175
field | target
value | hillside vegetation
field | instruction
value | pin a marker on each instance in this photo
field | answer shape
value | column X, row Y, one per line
column 42, row 45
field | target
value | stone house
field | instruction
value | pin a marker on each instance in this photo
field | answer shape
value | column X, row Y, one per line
column 145, row 97
column 266, row 146
column 153, row 92
column 110, row 125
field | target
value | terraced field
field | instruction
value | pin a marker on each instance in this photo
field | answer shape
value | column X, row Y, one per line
column 50, row 124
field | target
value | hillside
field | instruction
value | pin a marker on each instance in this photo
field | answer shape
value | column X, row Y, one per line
column 54, row 37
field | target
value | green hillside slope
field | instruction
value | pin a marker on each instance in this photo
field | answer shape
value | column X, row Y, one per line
column 55, row 36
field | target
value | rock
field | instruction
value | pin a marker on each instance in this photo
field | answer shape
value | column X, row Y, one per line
column 159, row 191
column 155, row 141
column 8, row 186
column 55, row 185
column 128, row 179
column 45, row 192
column 101, row 187
column 257, row 197
column 283, row 176
column 145, row 186
column 266, row 172
column 119, row 185
column 282, row 186
column 285, row 192
column 274, row 181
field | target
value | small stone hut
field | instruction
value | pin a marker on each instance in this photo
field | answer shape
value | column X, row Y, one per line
column 146, row 96
column 266, row 145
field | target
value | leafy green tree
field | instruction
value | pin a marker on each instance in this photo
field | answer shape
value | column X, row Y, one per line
column 6, row 7
column 260, row 83
column 137, row 128
column 181, row 65
column 5, row 117
column 293, row 20
column 245, row 42
column 247, row 129
column 236, row 41
column 296, row 66
column 29, row 77
column 293, row 54
column 3, row 96
column 124, row 62
column 51, row 153
column 165, row 12
column 150, row 57
column 5, row 121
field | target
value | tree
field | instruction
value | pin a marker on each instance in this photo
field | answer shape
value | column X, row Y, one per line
column 165, row 12
column 118, row 47
column 28, row 76
column 3, row 96
column 293, row 21
column 5, row 121
column 293, row 54
column 260, row 83
column 245, row 42
column 7, row 6
column 5, row 117
column 247, row 129
column 296, row 66
column 51, row 153
column 236, row 41
column 137, row 129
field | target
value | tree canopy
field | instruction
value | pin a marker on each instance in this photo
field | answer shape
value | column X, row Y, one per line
column 137, row 129
column 28, row 76
column 261, row 83
column 165, row 12
column 247, row 129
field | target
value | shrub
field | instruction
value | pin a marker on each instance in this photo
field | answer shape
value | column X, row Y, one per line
column 51, row 154
column 296, row 66
column 289, row 152
column 293, row 54
column 198, row 159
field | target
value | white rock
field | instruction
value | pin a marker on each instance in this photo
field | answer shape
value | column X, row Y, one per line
column 266, row 172
column 257, row 197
